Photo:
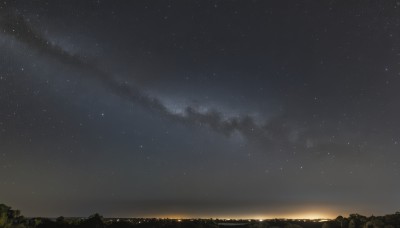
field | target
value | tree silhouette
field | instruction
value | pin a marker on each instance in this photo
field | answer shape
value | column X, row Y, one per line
column 94, row 221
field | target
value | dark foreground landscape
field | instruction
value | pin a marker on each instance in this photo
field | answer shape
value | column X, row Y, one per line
column 10, row 218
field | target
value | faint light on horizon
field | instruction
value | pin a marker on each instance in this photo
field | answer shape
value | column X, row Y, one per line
column 310, row 215
column 295, row 212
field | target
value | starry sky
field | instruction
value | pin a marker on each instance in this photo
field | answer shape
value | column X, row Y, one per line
column 252, row 109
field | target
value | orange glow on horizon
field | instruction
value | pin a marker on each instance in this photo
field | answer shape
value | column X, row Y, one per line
column 259, row 216
column 309, row 212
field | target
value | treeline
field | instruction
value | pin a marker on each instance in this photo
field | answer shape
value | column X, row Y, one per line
column 360, row 221
column 10, row 218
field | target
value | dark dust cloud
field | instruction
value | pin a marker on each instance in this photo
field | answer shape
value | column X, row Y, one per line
column 200, row 108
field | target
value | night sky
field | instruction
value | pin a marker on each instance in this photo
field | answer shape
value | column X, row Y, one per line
column 253, row 109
